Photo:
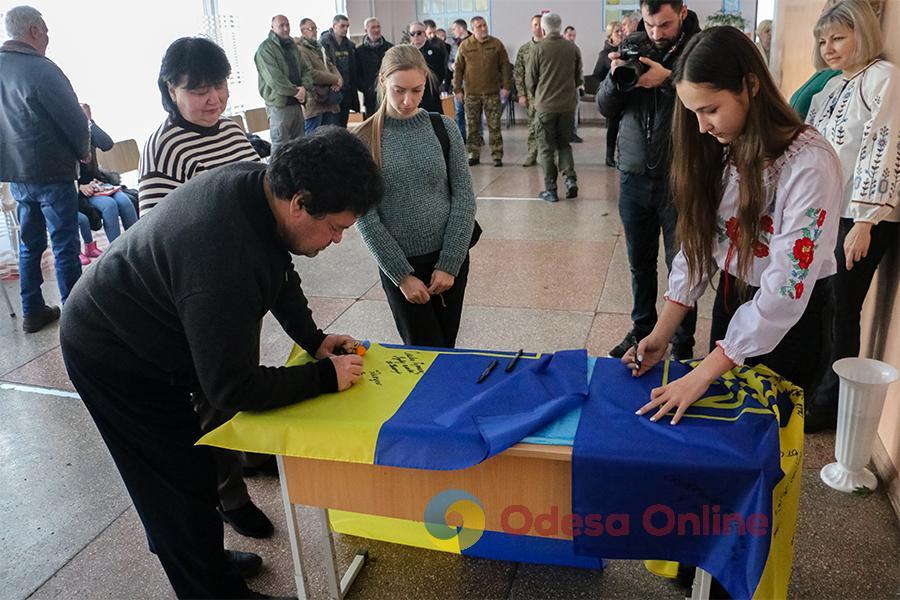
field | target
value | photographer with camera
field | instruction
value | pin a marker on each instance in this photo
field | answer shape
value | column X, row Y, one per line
column 638, row 90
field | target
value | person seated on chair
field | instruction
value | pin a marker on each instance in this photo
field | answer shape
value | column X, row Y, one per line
column 96, row 187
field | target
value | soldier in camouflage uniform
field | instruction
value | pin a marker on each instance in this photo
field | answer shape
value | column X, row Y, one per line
column 537, row 34
column 482, row 64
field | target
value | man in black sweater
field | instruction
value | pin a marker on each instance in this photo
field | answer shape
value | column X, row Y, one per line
column 174, row 307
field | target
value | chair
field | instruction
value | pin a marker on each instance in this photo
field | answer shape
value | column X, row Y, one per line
column 257, row 120
column 123, row 157
column 240, row 121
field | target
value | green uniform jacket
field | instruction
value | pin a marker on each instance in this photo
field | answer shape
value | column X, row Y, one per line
column 554, row 74
column 272, row 66
column 522, row 57
column 484, row 66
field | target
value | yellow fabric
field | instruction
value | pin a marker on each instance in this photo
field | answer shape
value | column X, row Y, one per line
column 773, row 584
column 785, row 502
column 389, row 529
column 354, row 417
column 663, row 568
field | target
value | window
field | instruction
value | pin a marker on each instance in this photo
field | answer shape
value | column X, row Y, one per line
column 444, row 12
column 111, row 50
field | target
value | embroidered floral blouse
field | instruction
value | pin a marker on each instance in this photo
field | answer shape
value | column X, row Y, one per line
column 795, row 247
column 860, row 116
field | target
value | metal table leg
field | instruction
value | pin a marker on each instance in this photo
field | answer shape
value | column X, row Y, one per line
column 702, row 583
column 337, row 589
column 293, row 526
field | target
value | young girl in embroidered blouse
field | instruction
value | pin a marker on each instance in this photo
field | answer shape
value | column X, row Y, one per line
column 757, row 195
column 859, row 113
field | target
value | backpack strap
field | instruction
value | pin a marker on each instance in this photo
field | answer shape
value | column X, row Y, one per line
column 437, row 123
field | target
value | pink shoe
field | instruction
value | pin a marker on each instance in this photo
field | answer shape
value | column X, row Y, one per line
column 91, row 250
column 85, row 261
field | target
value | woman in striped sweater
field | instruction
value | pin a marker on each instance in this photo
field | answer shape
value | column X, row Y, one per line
column 194, row 137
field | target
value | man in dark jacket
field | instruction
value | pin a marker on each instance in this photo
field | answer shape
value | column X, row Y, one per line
column 341, row 52
column 368, row 62
column 461, row 33
column 178, row 302
column 645, row 203
column 436, row 59
column 43, row 135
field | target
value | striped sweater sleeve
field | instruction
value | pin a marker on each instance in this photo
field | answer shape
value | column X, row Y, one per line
column 174, row 155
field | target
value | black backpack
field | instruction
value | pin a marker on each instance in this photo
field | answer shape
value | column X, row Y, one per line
column 437, row 123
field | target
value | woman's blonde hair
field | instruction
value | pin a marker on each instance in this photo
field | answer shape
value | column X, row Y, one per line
column 403, row 57
column 764, row 26
column 858, row 16
column 611, row 27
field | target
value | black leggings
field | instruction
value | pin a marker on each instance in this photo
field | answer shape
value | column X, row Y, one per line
column 802, row 354
column 850, row 289
column 435, row 323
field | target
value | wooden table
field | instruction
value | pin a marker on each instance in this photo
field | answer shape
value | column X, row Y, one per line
column 535, row 476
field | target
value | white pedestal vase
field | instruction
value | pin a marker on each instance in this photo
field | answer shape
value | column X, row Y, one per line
column 863, row 387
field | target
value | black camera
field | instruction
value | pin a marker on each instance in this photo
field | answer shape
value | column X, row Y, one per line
column 631, row 49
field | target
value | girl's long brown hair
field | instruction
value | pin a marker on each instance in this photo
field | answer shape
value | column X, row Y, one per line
column 725, row 59
column 403, row 57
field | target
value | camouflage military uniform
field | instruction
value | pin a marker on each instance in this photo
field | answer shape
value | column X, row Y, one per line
column 493, row 112
column 519, row 74
column 483, row 69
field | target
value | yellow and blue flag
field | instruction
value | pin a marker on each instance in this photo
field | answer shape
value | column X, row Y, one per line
column 700, row 493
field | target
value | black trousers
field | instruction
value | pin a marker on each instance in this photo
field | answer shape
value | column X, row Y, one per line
column 433, row 324
column 370, row 102
column 646, row 208
column 348, row 102
column 801, row 356
column 150, row 428
column 612, row 133
column 850, row 289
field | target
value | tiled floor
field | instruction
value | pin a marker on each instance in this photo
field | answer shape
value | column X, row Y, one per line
column 544, row 277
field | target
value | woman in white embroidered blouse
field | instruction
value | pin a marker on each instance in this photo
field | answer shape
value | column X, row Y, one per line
column 858, row 113
column 757, row 194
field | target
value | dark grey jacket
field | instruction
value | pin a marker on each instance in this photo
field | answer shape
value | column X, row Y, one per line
column 43, row 132
column 645, row 132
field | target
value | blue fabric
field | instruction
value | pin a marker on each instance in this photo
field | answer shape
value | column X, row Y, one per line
column 530, row 549
column 627, row 465
column 561, row 432
column 43, row 208
column 448, row 409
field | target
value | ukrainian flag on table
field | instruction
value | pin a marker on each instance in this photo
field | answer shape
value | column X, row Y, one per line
column 408, row 409
column 711, row 491
column 413, row 404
